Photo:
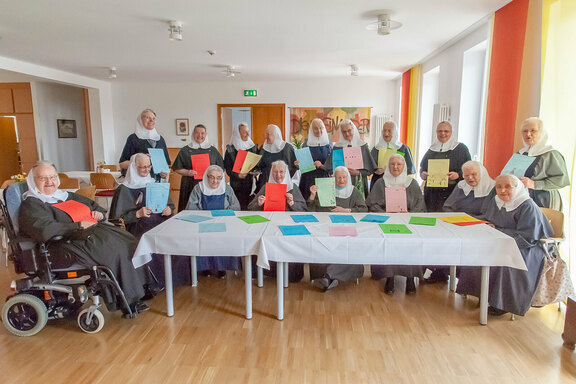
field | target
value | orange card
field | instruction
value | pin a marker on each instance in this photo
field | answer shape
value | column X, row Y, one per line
column 275, row 197
column 77, row 211
column 240, row 157
column 199, row 164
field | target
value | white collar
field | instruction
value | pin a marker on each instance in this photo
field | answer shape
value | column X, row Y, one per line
column 237, row 141
column 204, row 145
column 314, row 141
column 205, row 188
column 278, row 143
column 403, row 179
column 540, row 147
column 33, row 191
column 287, row 180
column 143, row 133
column 133, row 180
column 347, row 190
column 520, row 196
column 483, row 188
column 355, row 142
column 395, row 143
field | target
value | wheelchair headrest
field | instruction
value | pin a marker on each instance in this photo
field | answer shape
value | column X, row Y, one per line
column 13, row 200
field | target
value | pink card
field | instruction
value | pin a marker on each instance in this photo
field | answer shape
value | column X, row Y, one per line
column 353, row 158
column 396, row 199
column 336, row 230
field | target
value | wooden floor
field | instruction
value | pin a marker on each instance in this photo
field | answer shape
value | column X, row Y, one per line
column 354, row 334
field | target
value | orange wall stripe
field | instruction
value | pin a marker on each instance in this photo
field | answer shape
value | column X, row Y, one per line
column 405, row 106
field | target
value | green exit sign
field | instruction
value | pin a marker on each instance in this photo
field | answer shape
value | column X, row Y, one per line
column 250, row 93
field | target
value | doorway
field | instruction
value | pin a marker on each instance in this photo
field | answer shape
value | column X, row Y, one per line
column 10, row 154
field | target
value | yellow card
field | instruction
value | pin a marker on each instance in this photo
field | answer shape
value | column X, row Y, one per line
column 438, row 173
column 384, row 155
column 458, row 219
column 250, row 162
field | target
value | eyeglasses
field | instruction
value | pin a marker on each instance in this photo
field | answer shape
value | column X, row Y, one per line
column 144, row 167
column 219, row 178
column 44, row 179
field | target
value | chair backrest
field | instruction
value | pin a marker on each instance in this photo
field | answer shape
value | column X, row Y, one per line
column 13, row 200
column 6, row 183
column 89, row 192
column 112, row 168
column 63, row 176
column 69, row 183
column 556, row 219
column 102, row 180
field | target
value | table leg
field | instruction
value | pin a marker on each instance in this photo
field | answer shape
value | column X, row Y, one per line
column 168, row 285
column 194, row 272
column 453, row 278
column 280, row 289
column 248, row 284
column 260, row 276
column 285, row 275
column 485, row 279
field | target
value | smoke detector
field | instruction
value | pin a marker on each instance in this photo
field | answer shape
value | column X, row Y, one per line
column 384, row 25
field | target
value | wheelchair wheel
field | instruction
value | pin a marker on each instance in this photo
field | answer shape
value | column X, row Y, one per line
column 95, row 324
column 24, row 315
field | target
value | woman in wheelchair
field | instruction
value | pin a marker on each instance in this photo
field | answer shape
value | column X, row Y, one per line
column 47, row 212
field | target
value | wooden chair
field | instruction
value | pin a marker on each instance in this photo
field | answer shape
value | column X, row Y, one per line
column 69, row 183
column 112, row 168
column 7, row 183
column 63, row 176
column 89, row 192
column 102, row 180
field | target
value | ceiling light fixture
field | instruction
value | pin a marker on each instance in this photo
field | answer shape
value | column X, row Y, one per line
column 384, row 25
column 354, row 70
column 230, row 71
column 175, row 29
column 112, row 73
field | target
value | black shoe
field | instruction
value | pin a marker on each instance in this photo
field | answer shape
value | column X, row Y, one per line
column 389, row 286
column 151, row 291
column 410, row 286
column 220, row 274
column 321, row 283
column 205, row 273
column 492, row 311
column 437, row 277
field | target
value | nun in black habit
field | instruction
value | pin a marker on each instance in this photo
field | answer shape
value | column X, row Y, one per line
column 274, row 149
column 473, row 192
column 320, row 149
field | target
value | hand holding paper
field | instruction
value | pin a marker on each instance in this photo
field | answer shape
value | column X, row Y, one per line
column 157, row 196
column 275, row 197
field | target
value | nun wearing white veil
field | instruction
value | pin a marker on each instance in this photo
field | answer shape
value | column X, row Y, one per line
column 320, row 149
column 274, row 149
column 473, row 192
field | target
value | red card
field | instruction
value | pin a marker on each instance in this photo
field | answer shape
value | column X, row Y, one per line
column 199, row 164
column 240, row 157
column 275, row 197
column 465, row 223
column 77, row 211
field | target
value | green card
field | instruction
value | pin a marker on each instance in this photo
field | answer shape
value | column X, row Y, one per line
column 422, row 220
column 253, row 219
column 326, row 191
column 394, row 228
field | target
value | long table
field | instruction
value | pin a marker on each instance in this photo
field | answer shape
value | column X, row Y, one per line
column 441, row 244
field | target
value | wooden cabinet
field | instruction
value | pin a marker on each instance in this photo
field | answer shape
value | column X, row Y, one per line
column 6, row 103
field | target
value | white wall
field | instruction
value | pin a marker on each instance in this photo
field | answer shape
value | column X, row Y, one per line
column 57, row 101
column 198, row 101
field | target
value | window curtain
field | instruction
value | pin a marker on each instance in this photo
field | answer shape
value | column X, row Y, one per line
column 411, row 89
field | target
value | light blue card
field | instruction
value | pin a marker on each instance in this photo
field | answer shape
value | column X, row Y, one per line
column 342, row 219
column 304, row 218
column 517, row 165
column 374, row 218
column 194, row 218
column 158, row 160
column 294, row 230
column 337, row 158
column 211, row 227
column 157, row 196
column 222, row 212
column 305, row 161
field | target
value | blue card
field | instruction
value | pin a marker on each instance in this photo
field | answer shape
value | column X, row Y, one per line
column 375, row 218
column 518, row 165
column 304, row 218
column 211, row 227
column 157, row 196
column 222, row 212
column 194, row 218
column 342, row 219
column 337, row 159
column 305, row 161
column 294, row 230
column 158, row 160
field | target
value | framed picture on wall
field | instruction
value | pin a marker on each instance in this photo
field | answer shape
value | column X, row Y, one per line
column 182, row 127
column 66, row 129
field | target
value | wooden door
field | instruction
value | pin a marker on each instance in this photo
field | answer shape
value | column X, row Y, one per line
column 9, row 164
column 265, row 114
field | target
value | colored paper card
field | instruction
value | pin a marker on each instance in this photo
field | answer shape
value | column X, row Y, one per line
column 326, row 191
column 305, row 161
column 395, row 228
column 353, row 158
column 438, row 173
column 194, row 218
column 211, row 227
column 199, row 164
column 396, row 199
column 294, row 230
column 342, row 219
column 253, row 219
column 374, row 218
column 458, row 219
column 517, row 165
column 417, row 220
column 304, row 218
column 384, row 155
column 77, row 211
column 239, row 162
column 275, row 197
column 250, row 162
column 157, row 196
column 222, row 212
column 158, row 160
column 341, row 230
column 338, row 159
column 470, row 223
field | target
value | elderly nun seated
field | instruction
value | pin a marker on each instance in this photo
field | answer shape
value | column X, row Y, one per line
column 473, row 192
column 89, row 242
column 210, row 194
column 397, row 177
column 294, row 202
column 513, row 212
column 348, row 199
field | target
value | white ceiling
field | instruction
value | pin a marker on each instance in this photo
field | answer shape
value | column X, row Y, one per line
column 267, row 40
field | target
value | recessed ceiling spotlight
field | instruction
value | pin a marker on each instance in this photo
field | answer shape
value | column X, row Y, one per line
column 230, row 71
column 354, row 70
column 384, row 25
column 112, row 73
column 175, row 29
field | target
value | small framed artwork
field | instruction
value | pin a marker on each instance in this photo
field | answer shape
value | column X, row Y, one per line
column 66, row 129
column 182, row 127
